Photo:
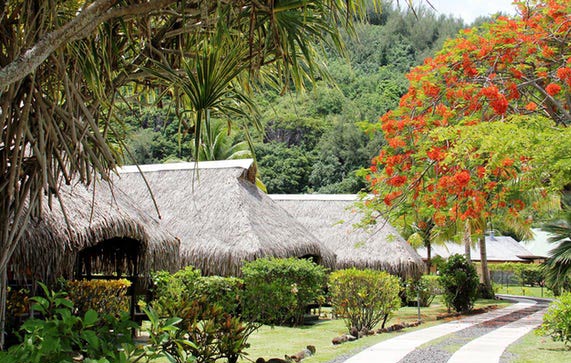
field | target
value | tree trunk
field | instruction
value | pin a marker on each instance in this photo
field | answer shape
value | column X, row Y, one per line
column 3, row 297
column 428, row 257
column 467, row 239
column 485, row 278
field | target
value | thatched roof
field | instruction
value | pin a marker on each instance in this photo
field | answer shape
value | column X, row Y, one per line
column 220, row 216
column 498, row 249
column 50, row 245
column 332, row 219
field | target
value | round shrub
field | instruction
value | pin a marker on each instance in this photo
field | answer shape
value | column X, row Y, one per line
column 364, row 298
column 277, row 291
column 459, row 280
column 557, row 320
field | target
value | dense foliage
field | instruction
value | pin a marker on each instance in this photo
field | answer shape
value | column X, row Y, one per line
column 209, row 312
column 278, row 291
column 459, row 280
column 364, row 298
column 59, row 334
column 171, row 292
column 557, row 320
column 445, row 148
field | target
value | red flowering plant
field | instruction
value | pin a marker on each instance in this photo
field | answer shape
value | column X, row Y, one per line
column 462, row 143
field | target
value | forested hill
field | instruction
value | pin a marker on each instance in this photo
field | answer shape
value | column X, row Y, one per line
column 315, row 141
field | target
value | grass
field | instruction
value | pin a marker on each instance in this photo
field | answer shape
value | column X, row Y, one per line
column 537, row 349
column 275, row 342
column 532, row 291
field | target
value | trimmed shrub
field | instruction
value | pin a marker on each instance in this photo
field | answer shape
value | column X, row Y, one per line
column 364, row 298
column 557, row 320
column 172, row 291
column 425, row 289
column 107, row 297
column 459, row 280
column 277, row 291
column 225, row 292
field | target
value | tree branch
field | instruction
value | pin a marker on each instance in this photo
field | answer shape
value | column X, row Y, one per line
column 80, row 27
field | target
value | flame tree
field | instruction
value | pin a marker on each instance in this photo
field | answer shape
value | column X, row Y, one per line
column 483, row 126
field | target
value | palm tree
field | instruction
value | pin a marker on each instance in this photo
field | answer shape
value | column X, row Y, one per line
column 558, row 266
column 216, row 144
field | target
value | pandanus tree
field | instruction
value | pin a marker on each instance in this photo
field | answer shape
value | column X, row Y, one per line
column 477, row 128
column 64, row 65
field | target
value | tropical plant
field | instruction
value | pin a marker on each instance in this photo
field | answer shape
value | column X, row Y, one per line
column 217, row 144
column 209, row 85
column 557, row 320
column 58, row 335
column 209, row 313
column 558, row 264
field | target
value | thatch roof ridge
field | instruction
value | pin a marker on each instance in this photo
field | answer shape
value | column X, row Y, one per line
column 222, row 164
column 322, row 197
column 94, row 214
column 333, row 220
column 221, row 217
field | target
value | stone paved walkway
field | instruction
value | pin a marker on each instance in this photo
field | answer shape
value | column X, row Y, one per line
column 483, row 337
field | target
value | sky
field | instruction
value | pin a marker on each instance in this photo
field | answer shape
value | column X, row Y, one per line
column 469, row 10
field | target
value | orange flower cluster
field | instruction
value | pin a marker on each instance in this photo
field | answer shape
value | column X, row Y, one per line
column 553, row 89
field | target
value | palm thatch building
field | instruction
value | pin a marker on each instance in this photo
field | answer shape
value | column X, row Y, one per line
column 92, row 231
column 332, row 219
column 220, row 216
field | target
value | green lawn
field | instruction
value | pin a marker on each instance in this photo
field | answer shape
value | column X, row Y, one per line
column 537, row 349
column 275, row 342
column 534, row 291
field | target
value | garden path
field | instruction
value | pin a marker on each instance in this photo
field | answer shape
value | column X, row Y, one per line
column 477, row 338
